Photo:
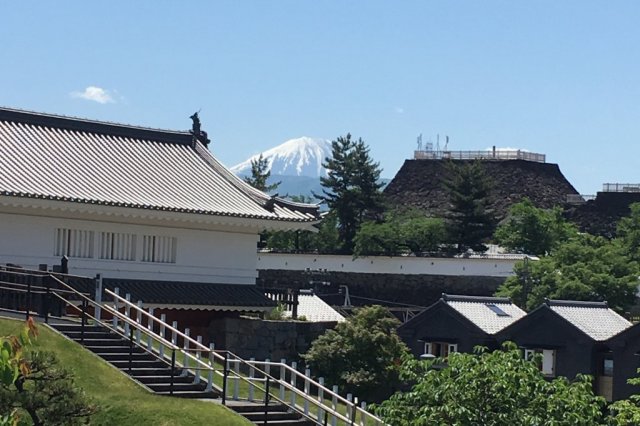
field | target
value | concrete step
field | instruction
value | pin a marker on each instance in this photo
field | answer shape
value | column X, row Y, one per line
column 248, row 407
column 113, row 349
column 102, row 342
column 163, row 378
column 150, row 371
column 179, row 387
column 135, row 364
column 192, row 394
column 270, row 416
column 64, row 327
column 124, row 356
column 93, row 334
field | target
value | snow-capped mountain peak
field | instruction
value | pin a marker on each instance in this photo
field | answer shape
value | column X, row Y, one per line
column 295, row 157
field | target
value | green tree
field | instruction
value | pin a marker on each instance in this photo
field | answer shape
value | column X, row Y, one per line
column 584, row 268
column 408, row 231
column 627, row 411
column 47, row 393
column 351, row 188
column 489, row 388
column 532, row 230
column 628, row 232
column 361, row 355
column 470, row 222
column 260, row 175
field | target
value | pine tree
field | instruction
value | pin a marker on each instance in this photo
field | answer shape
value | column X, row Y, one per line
column 470, row 222
column 351, row 188
column 260, row 174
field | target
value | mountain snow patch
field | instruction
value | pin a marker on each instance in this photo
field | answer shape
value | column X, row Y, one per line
column 296, row 157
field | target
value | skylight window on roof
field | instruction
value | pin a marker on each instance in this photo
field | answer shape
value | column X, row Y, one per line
column 499, row 312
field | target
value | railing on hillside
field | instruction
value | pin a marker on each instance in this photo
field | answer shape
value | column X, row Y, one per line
column 500, row 155
column 298, row 391
column 621, row 187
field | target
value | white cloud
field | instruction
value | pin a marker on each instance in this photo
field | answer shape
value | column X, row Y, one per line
column 96, row 94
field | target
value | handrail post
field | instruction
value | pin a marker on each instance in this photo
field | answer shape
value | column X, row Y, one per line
column 47, row 298
column 334, row 405
column 225, row 375
column 196, row 379
column 127, row 313
column 98, row 297
column 307, row 375
column 266, row 400
column 185, row 362
column 139, row 322
column 28, row 301
column 173, row 369
column 294, row 379
column 283, row 377
column 212, row 365
column 163, row 321
column 130, row 349
column 320, row 398
column 251, row 377
column 236, row 380
column 150, row 328
column 83, row 319
column 115, row 308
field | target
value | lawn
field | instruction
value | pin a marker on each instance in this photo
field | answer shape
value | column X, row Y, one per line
column 121, row 401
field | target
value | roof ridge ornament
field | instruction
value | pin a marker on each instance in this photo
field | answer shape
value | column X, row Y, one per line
column 197, row 132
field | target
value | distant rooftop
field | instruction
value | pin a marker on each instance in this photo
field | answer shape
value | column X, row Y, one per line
column 595, row 319
column 488, row 154
column 490, row 314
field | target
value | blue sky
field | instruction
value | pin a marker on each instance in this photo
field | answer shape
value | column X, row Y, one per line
column 556, row 77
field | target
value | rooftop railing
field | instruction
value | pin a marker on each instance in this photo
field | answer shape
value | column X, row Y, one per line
column 498, row 155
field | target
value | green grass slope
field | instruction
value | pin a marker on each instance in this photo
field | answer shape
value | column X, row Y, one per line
column 121, row 401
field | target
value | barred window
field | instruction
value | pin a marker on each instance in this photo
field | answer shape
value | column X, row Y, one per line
column 117, row 246
column 159, row 249
column 73, row 243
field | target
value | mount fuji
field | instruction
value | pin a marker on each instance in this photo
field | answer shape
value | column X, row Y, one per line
column 296, row 157
column 296, row 165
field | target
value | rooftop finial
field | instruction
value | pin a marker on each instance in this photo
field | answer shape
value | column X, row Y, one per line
column 196, row 131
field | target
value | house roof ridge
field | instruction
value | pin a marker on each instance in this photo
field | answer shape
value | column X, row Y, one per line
column 183, row 137
column 477, row 299
column 577, row 303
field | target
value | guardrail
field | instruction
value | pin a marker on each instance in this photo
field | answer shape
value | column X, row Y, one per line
column 500, row 154
column 300, row 392
column 289, row 381
column 621, row 187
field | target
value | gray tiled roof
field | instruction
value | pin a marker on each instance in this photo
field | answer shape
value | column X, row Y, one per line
column 593, row 318
column 314, row 309
column 60, row 158
column 190, row 294
column 478, row 311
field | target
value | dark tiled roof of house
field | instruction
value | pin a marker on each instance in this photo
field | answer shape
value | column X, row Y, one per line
column 191, row 295
column 595, row 319
column 83, row 161
column 490, row 314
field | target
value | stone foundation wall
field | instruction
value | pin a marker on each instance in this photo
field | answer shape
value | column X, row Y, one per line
column 262, row 339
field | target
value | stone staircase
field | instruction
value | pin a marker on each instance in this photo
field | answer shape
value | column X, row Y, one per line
column 155, row 374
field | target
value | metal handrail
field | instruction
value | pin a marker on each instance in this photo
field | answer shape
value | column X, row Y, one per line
column 236, row 358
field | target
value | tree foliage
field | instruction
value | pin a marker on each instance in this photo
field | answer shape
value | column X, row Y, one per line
column 46, row 393
column 408, row 231
column 532, row 230
column 489, row 388
column 471, row 223
column 583, row 268
column 260, row 175
column 628, row 232
column 627, row 411
column 351, row 188
column 361, row 355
